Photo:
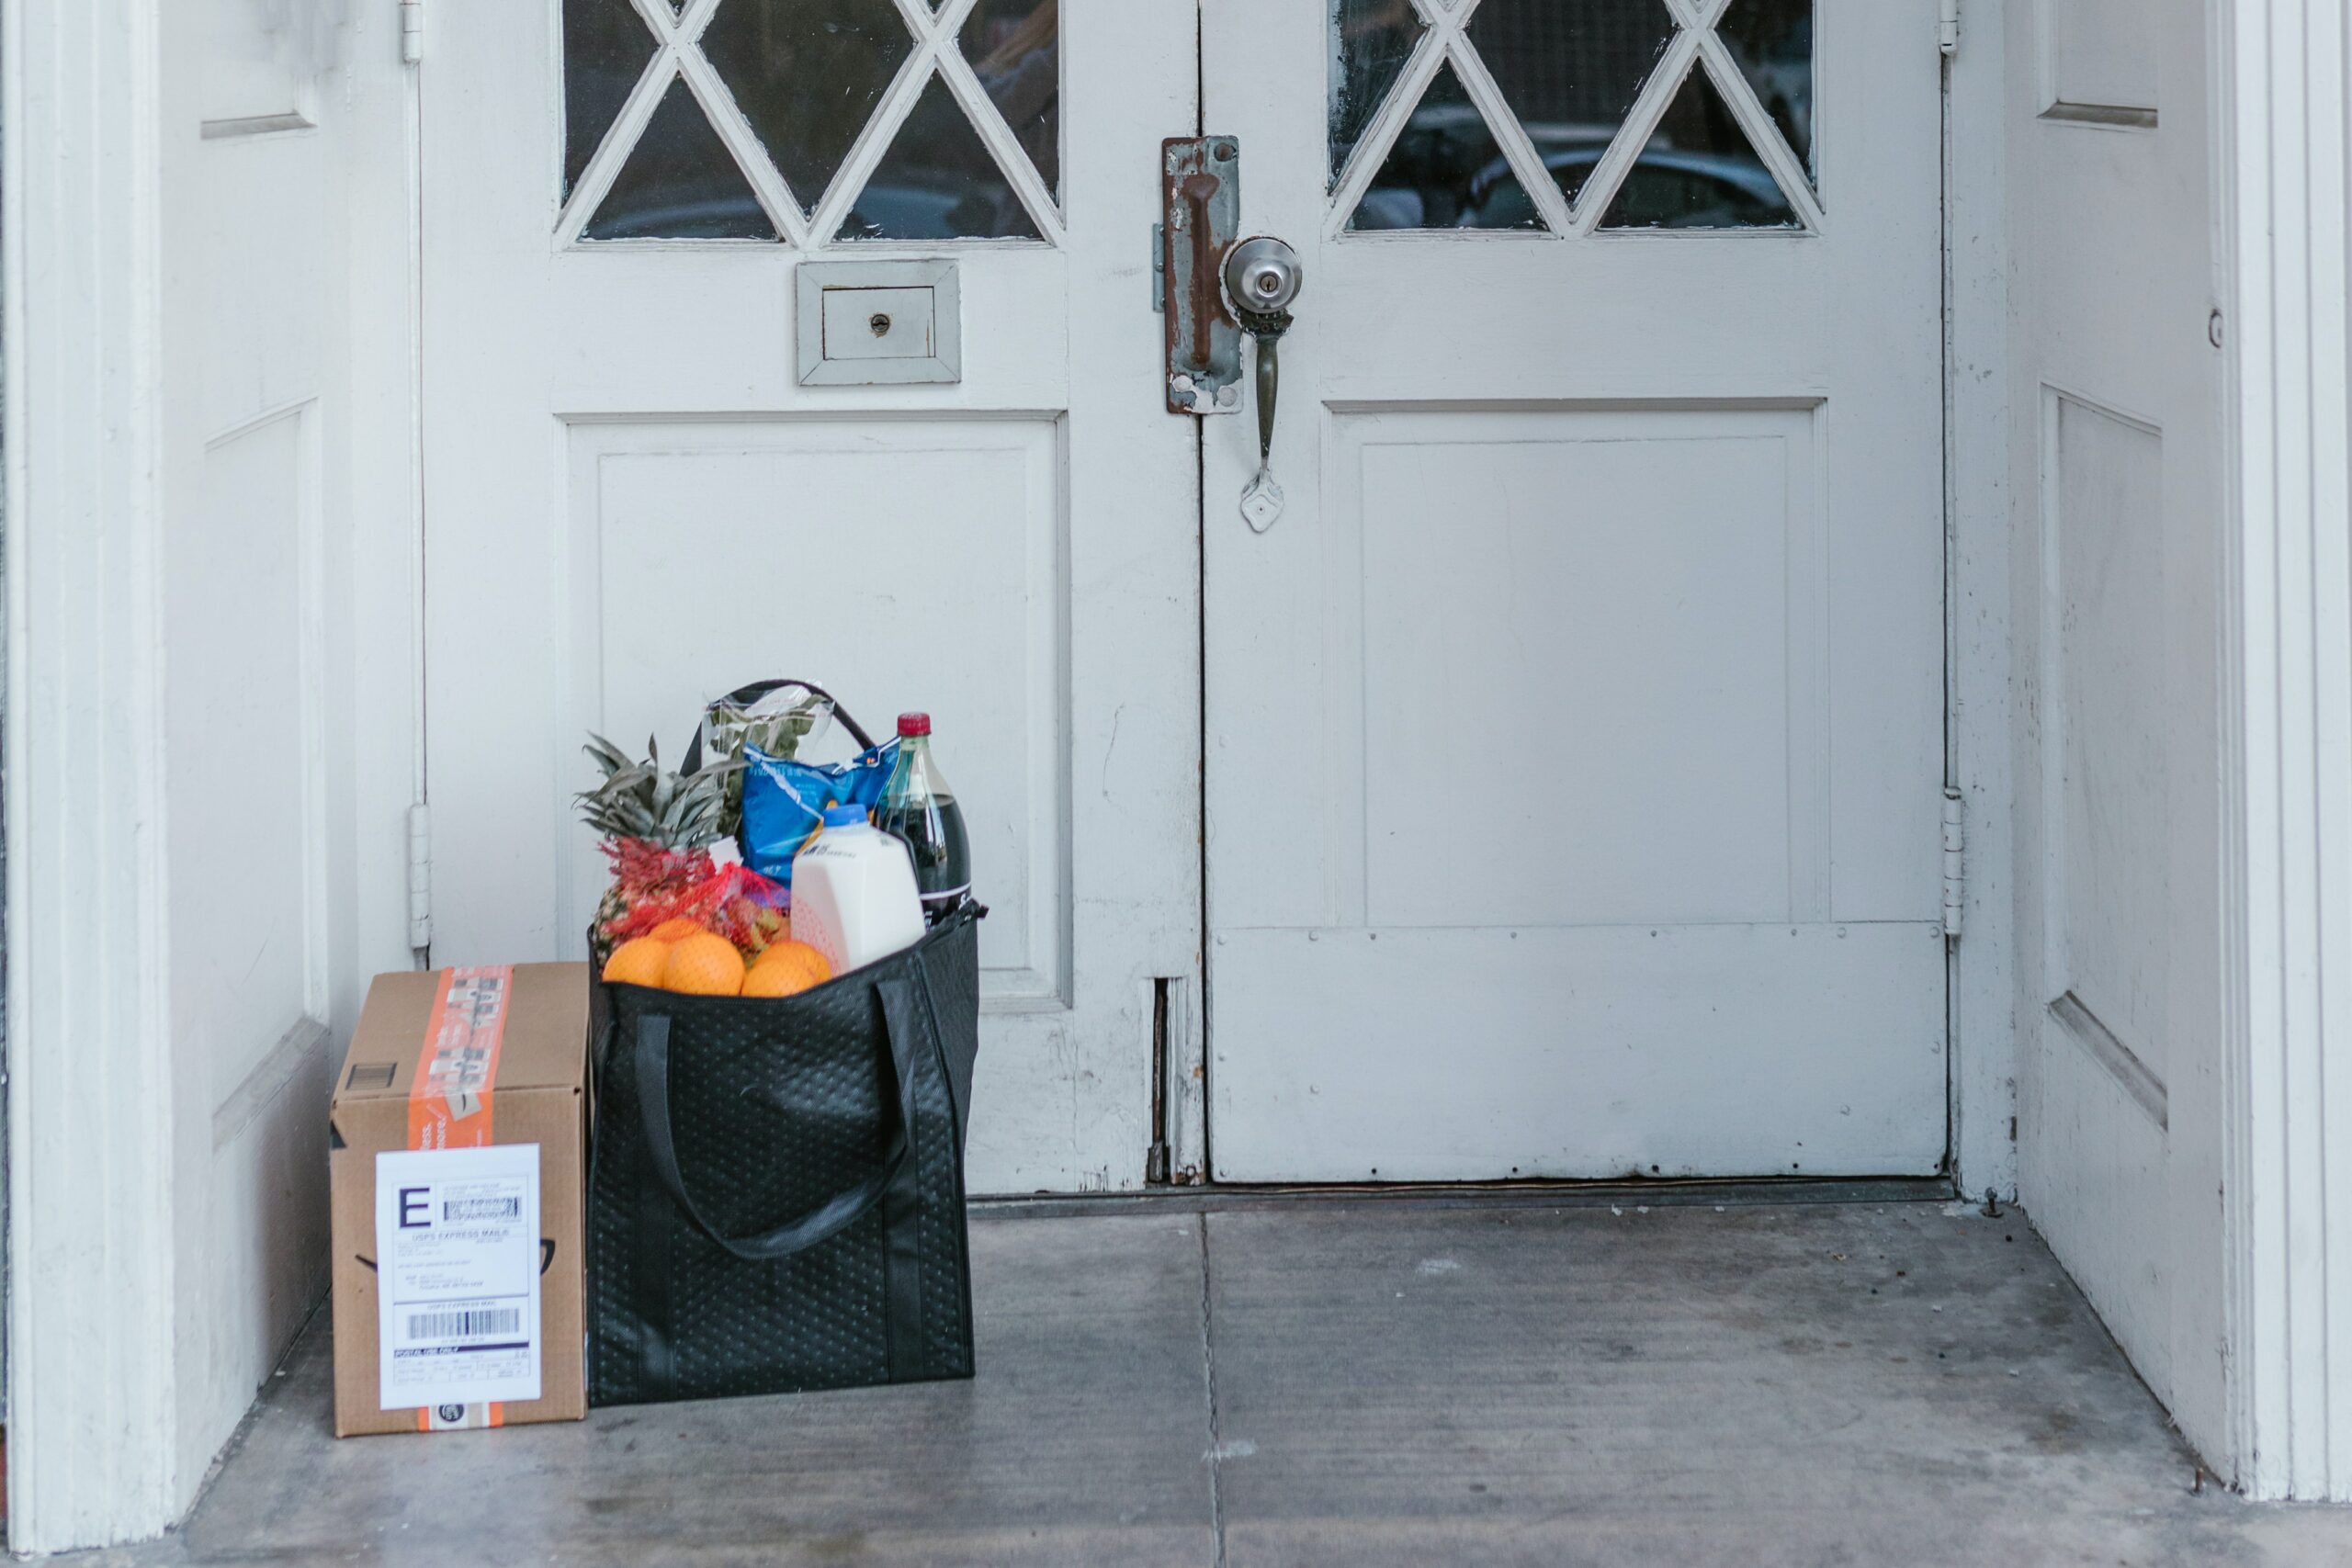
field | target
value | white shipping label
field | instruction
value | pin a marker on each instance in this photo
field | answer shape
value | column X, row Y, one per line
column 457, row 1275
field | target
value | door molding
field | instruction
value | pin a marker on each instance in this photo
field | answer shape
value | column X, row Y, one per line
column 1979, row 709
column 2287, row 693
column 91, row 1304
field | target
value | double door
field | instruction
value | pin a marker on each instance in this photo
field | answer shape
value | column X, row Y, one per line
column 1551, row 789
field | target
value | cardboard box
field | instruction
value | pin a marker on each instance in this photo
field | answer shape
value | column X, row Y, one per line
column 507, row 1049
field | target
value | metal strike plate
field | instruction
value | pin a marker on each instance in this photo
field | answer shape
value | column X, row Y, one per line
column 1200, row 200
column 878, row 323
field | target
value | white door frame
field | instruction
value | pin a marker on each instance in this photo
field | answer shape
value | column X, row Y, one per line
column 126, row 1359
column 90, row 1319
column 1979, row 708
column 2287, row 226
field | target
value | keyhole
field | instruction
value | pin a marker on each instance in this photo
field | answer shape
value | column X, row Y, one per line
column 879, row 323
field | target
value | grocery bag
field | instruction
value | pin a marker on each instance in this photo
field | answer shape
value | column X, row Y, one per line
column 776, row 1191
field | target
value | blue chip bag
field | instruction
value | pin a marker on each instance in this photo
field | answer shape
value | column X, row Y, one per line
column 784, row 799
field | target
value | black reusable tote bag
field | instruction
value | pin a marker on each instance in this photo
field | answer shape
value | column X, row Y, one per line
column 777, row 1197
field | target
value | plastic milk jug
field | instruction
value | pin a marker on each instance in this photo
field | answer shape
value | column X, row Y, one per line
column 854, row 896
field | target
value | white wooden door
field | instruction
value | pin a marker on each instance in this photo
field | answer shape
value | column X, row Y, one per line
column 2118, row 402
column 636, row 504
column 1573, row 745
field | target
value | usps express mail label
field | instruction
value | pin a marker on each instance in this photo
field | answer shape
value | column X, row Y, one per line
column 457, row 1275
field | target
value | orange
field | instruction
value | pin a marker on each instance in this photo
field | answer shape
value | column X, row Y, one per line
column 704, row 965
column 785, row 969
column 637, row 961
column 677, row 929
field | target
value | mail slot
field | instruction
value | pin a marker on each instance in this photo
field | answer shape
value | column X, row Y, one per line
column 878, row 323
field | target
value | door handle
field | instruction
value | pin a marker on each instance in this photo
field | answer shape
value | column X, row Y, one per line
column 1215, row 288
column 1262, row 278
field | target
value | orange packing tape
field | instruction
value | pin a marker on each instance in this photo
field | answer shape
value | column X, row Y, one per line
column 451, row 1104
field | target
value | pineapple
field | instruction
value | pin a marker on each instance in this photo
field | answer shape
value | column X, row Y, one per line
column 655, row 825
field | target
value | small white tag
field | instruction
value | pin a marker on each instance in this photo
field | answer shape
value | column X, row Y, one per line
column 723, row 853
column 457, row 1275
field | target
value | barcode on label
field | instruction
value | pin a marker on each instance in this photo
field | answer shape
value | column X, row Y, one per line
column 464, row 1324
column 462, row 1211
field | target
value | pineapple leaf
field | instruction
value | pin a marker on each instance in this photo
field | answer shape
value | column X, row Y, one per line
column 609, row 756
column 644, row 801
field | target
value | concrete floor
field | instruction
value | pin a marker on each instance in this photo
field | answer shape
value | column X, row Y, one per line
column 1363, row 1383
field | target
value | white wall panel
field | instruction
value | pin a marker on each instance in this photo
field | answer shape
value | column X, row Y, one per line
column 243, row 736
column 1585, row 618
column 2100, row 59
column 2106, row 703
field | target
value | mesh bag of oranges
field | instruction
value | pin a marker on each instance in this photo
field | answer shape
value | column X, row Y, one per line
column 685, row 955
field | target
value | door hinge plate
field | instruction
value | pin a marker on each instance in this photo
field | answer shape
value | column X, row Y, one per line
column 1948, row 27
column 420, row 876
column 1955, row 861
column 412, row 31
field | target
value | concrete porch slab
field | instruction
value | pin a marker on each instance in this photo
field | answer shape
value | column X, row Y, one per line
column 1359, row 1381
column 1753, row 1385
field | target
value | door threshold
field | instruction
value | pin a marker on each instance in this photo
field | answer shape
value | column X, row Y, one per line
column 1221, row 1198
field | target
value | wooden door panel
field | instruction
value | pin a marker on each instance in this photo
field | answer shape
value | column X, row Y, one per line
column 1584, row 667
column 1575, row 738
column 1591, row 1053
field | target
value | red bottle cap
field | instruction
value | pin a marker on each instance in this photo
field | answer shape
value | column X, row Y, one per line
column 911, row 724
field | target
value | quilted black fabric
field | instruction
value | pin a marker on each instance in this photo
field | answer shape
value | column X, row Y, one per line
column 777, row 1105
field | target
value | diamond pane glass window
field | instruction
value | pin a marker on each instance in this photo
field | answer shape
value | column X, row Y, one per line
column 937, row 182
column 1773, row 41
column 1571, row 73
column 808, row 74
column 1014, row 48
column 1445, row 171
column 1699, row 171
column 607, row 49
column 1370, row 40
column 681, row 182
column 800, row 120
column 1639, row 114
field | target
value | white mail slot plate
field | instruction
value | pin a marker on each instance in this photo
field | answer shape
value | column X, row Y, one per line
column 878, row 323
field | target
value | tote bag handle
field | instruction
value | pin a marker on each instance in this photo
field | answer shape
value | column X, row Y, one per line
column 743, row 696
column 829, row 1218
